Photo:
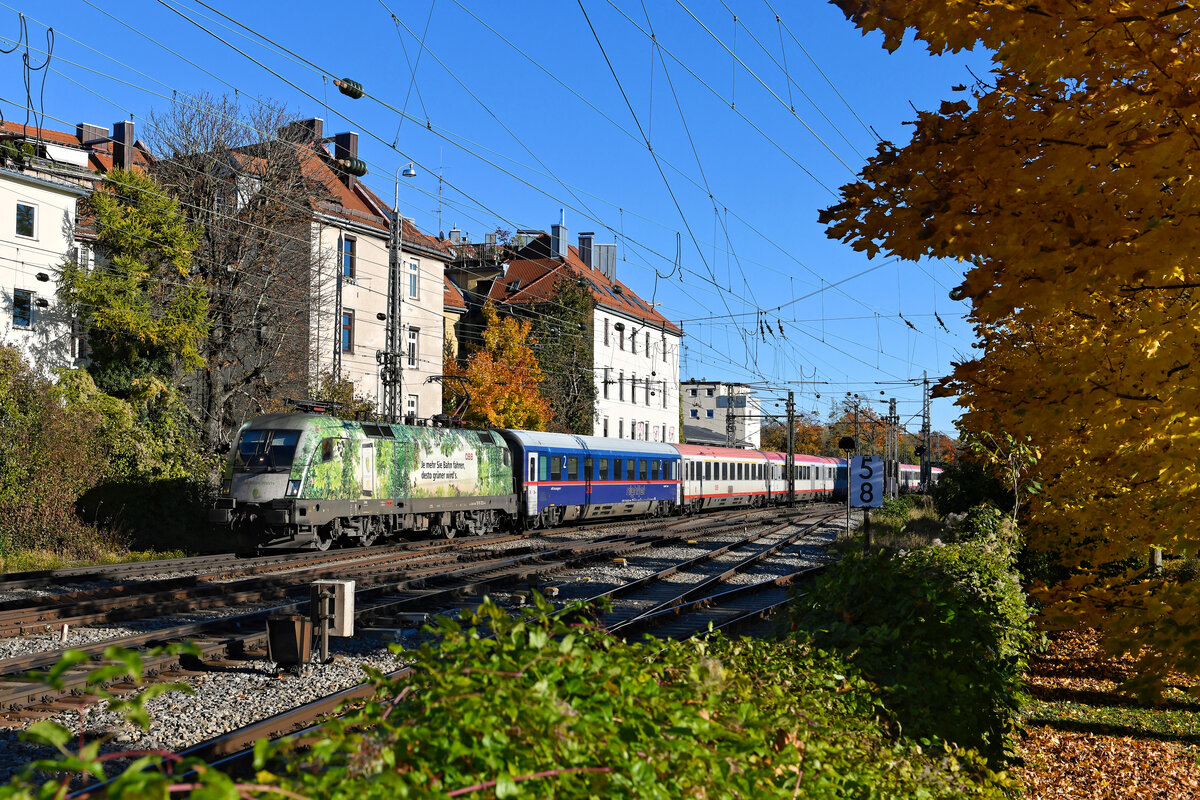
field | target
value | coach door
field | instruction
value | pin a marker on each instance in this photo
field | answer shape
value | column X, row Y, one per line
column 531, row 492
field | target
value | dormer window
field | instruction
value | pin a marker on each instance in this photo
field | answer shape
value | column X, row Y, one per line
column 514, row 285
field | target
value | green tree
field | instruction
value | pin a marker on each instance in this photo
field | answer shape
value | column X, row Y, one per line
column 143, row 311
column 563, row 331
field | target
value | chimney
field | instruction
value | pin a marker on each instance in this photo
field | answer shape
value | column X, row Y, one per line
column 122, row 138
column 558, row 237
column 304, row 130
column 345, row 148
column 606, row 260
column 87, row 133
column 585, row 247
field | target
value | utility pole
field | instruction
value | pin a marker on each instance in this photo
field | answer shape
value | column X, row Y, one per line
column 790, row 460
column 389, row 359
column 892, row 470
column 926, row 465
column 730, row 439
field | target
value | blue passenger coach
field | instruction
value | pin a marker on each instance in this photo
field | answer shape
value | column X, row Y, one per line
column 562, row 477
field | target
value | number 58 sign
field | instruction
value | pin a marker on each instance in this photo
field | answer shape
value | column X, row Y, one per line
column 866, row 482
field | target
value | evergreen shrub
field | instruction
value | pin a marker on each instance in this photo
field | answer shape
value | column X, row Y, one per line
column 941, row 630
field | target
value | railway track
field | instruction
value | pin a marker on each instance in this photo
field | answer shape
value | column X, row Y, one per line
column 394, row 601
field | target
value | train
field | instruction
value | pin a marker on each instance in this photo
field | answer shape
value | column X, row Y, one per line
column 305, row 480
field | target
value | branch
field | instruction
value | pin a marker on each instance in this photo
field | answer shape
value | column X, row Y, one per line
column 532, row 776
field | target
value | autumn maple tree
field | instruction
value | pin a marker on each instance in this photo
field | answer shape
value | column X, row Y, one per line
column 503, row 377
column 1065, row 184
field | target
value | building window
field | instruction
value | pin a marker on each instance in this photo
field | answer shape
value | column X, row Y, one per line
column 620, row 429
column 648, row 354
column 410, row 406
column 621, row 338
column 604, row 430
column 413, row 335
column 695, row 413
column 647, row 391
column 414, row 272
column 606, row 331
column 664, row 391
column 692, row 391
column 347, row 331
column 621, row 386
column 633, row 343
column 633, row 388
column 607, row 375
column 22, row 308
column 709, row 413
column 664, row 348
column 349, row 257
column 27, row 220
column 708, row 392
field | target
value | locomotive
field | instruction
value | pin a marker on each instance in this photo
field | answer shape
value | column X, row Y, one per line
column 303, row 480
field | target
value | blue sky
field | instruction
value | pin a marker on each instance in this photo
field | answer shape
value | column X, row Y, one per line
column 528, row 107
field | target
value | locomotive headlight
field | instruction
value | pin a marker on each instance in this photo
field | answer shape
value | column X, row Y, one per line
column 227, row 487
column 293, row 489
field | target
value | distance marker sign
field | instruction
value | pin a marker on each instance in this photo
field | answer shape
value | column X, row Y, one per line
column 866, row 482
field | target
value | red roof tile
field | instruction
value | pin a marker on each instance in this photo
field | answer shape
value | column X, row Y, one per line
column 452, row 297
column 530, row 279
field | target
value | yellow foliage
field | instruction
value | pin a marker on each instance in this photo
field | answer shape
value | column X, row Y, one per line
column 1066, row 185
column 503, row 377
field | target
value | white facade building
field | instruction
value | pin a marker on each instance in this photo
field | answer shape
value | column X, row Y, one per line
column 711, row 405
column 37, row 228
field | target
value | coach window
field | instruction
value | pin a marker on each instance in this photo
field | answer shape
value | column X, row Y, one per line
column 616, row 473
column 543, row 467
column 674, row 470
column 603, row 474
column 707, row 470
column 630, row 469
column 589, row 470
column 573, row 468
column 642, row 469
column 555, row 468
column 654, row 469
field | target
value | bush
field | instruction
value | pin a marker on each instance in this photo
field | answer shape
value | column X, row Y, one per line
column 965, row 485
column 543, row 709
column 941, row 630
column 61, row 440
column 987, row 524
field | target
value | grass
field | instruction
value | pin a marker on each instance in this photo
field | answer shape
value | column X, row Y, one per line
column 38, row 559
column 907, row 525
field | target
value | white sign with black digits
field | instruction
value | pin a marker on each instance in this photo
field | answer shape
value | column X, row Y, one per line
column 866, row 482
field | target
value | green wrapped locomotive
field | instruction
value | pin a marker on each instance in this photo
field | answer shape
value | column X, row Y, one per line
column 301, row 480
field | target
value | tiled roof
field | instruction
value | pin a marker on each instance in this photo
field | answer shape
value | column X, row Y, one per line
column 100, row 156
column 531, row 276
column 452, row 297
column 361, row 205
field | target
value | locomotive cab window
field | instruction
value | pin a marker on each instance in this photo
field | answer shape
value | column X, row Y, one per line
column 267, row 450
